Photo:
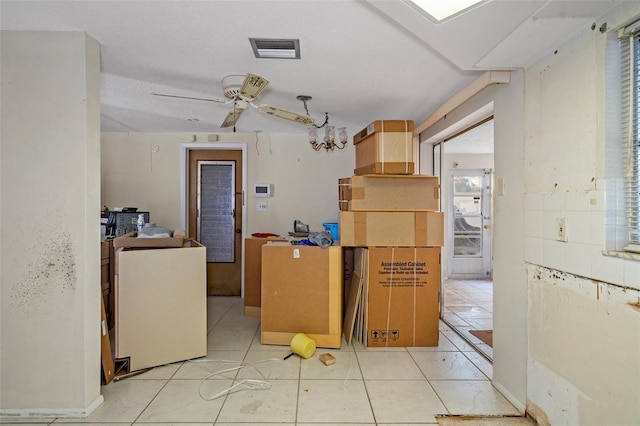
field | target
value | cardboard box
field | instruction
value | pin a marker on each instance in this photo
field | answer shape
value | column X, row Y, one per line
column 131, row 240
column 396, row 302
column 385, row 147
column 388, row 168
column 382, row 126
column 402, row 306
column 301, row 293
column 362, row 229
column 161, row 304
column 253, row 274
column 389, row 193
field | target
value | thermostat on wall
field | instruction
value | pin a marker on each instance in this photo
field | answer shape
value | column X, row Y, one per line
column 262, row 190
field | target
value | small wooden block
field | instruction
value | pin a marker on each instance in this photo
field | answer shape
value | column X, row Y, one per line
column 327, row 359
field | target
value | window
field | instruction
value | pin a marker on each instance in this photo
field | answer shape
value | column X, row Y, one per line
column 630, row 109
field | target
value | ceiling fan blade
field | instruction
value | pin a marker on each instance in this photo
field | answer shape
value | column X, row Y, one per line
column 220, row 101
column 252, row 87
column 232, row 118
column 287, row 115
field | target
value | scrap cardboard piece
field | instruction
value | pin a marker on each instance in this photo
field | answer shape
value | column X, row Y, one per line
column 351, row 309
column 327, row 359
column 105, row 347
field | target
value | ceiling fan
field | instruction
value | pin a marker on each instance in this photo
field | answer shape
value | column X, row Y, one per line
column 242, row 91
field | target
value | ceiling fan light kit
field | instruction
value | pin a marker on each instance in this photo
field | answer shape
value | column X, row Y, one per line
column 243, row 90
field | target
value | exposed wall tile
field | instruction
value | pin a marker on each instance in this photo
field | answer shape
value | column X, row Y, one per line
column 577, row 201
column 597, row 228
column 533, row 250
column 631, row 273
column 577, row 259
column 606, row 268
column 553, row 254
column 578, row 227
column 553, row 201
column 533, row 223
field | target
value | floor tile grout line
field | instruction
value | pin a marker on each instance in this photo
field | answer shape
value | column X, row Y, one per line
column 151, row 401
column 489, row 378
column 295, row 417
column 215, row 420
column 364, row 383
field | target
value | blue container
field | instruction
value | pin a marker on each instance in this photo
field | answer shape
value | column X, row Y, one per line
column 332, row 227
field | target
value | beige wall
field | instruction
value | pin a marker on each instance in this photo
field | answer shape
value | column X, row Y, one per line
column 305, row 182
column 50, row 245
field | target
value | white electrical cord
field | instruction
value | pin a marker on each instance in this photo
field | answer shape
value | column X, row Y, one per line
column 249, row 384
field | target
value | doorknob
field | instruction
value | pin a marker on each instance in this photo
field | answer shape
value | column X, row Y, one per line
column 238, row 231
column 486, row 227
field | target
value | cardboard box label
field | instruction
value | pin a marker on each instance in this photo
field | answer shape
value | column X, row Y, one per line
column 402, row 274
column 384, row 335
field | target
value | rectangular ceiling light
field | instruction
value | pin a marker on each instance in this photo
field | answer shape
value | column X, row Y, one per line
column 442, row 10
column 275, row 48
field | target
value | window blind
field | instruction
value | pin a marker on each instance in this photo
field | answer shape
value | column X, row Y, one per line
column 630, row 110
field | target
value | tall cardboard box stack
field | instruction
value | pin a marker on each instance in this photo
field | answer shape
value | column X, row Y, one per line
column 391, row 217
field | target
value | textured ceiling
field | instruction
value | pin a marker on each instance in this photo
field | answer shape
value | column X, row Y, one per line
column 360, row 61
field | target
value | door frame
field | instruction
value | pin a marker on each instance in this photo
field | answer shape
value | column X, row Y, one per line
column 486, row 233
column 184, row 190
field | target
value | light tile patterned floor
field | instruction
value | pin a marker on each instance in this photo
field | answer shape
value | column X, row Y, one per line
column 365, row 386
column 468, row 305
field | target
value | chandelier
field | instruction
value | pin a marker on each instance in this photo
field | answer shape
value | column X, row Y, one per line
column 329, row 140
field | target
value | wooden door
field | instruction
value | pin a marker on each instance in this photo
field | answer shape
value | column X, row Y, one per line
column 215, row 215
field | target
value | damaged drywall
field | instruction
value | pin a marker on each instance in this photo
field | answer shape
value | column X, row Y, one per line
column 578, row 370
column 49, row 271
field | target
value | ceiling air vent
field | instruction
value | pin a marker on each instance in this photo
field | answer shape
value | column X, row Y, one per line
column 277, row 48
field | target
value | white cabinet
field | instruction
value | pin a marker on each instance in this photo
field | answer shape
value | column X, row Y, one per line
column 161, row 305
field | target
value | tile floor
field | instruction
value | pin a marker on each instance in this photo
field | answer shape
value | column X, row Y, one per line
column 468, row 305
column 365, row 386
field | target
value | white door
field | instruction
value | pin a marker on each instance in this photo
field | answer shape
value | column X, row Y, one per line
column 469, row 221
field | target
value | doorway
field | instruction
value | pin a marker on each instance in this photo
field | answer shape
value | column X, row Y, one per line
column 469, row 219
column 214, row 180
column 464, row 164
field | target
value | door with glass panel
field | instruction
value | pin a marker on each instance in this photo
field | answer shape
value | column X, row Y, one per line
column 469, row 224
column 215, row 216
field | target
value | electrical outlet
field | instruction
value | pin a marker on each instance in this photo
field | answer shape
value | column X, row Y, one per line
column 561, row 229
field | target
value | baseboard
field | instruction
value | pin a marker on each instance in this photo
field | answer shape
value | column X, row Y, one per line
column 9, row 413
column 514, row 401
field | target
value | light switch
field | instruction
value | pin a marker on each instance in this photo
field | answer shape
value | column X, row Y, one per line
column 261, row 206
column 500, row 186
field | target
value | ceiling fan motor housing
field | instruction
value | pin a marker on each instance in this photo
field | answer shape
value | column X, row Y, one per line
column 231, row 85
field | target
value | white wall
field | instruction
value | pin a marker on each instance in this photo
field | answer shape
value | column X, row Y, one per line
column 584, row 331
column 305, row 182
column 50, row 245
column 505, row 102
